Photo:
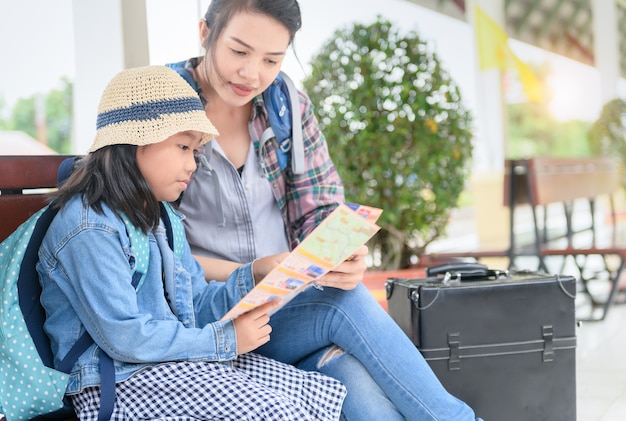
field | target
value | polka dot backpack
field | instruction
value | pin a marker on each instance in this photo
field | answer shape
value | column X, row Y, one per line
column 29, row 386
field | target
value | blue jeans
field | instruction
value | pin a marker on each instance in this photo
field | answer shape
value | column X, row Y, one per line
column 365, row 400
column 394, row 371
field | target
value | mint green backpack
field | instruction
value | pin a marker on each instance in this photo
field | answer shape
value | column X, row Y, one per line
column 29, row 385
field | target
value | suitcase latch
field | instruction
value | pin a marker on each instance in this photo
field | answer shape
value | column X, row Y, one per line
column 548, row 344
column 454, row 342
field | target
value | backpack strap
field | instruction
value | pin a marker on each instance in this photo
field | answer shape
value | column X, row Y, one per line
column 297, row 154
column 280, row 99
column 141, row 246
column 107, row 374
column 283, row 112
column 174, row 228
column 29, row 291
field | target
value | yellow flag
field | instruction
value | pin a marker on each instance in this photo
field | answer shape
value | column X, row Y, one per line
column 492, row 42
column 494, row 53
column 530, row 84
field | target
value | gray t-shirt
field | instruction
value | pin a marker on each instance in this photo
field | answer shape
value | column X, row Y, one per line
column 232, row 217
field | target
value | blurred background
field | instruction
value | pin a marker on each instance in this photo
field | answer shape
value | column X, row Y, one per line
column 532, row 79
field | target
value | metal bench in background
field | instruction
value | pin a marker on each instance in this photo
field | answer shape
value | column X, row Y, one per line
column 573, row 221
column 579, row 193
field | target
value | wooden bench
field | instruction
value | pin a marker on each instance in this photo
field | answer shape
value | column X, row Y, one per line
column 24, row 181
column 564, row 199
column 24, row 184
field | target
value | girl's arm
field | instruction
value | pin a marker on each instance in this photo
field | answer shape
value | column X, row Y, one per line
column 136, row 326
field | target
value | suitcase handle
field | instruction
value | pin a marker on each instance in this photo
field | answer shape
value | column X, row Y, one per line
column 463, row 267
column 464, row 271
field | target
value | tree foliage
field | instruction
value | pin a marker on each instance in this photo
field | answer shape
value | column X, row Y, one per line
column 57, row 108
column 536, row 133
column 607, row 136
column 4, row 125
column 533, row 130
column 397, row 131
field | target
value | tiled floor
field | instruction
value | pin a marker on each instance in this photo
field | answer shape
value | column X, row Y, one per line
column 601, row 368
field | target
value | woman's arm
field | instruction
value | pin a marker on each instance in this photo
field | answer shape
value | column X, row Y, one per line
column 216, row 269
column 220, row 270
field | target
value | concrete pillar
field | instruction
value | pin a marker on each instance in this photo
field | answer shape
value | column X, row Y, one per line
column 135, row 33
column 110, row 35
column 606, row 47
column 491, row 120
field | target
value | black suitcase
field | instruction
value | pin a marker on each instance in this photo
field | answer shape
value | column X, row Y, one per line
column 505, row 343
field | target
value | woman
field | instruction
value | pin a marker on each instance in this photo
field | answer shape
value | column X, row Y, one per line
column 173, row 358
column 341, row 330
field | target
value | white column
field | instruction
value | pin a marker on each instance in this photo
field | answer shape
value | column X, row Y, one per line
column 491, row 119
column 606, row 47
column 491, row 217
column 135, row 33
column 110, row 35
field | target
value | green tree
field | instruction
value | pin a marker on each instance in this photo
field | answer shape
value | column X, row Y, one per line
column 533, row 131
column 58, row 116
column 607, row 135
column 4, row 124
column 23, row 116
column 397, row 131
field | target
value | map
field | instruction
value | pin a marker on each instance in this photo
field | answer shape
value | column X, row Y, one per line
column 333, row 241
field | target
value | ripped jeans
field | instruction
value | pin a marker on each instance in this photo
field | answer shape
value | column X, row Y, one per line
column 385, row 375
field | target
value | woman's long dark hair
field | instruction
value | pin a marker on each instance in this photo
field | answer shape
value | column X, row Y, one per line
column 110, row 175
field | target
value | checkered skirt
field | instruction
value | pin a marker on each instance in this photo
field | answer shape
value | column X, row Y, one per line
column 251, row 388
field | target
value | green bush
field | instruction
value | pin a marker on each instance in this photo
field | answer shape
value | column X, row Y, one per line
column 397, row 131
column 607, row 136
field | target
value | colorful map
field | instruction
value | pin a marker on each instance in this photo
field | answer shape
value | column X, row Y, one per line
column 333, row 241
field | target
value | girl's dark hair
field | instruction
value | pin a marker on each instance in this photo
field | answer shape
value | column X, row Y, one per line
column 220, row 12
column 110, row 175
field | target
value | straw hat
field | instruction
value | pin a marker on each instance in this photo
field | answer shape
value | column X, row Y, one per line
column 146, row 105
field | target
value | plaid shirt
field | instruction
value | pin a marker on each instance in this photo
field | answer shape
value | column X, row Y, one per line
column 306, row 199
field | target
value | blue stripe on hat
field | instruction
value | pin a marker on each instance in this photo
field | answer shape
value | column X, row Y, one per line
column 149, row 110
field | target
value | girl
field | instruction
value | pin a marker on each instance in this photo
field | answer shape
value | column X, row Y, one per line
column 173, row 358
column 240, row 207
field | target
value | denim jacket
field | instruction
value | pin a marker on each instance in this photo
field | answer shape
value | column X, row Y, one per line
column 85, row 268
